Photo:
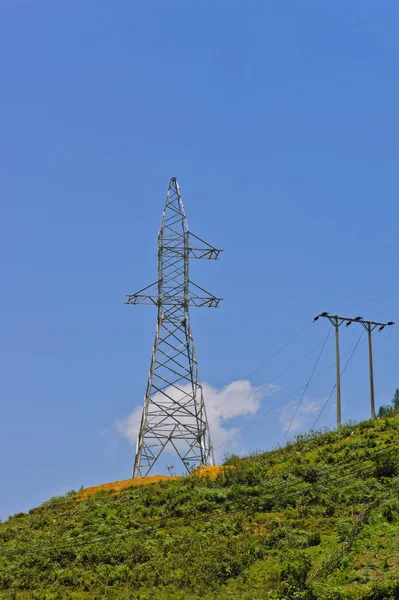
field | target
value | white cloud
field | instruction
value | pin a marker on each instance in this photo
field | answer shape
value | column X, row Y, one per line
column 308, row 410
column 130, row 426
column 237, row 399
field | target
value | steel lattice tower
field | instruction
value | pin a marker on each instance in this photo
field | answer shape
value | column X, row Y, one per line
column 174, row 409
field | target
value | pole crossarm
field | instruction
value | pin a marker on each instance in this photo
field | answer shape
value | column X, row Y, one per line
column 371, row 325
column 349, row 320
column 174, row 414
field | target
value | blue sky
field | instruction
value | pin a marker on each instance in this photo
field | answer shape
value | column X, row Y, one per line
column 280, row 123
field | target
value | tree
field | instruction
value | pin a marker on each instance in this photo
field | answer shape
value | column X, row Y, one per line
column 384, row 410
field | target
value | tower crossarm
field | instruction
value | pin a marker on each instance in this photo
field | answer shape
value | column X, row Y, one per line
column 206, row 299
column 203, row 299
column 145, row 296
column 202, row 249
column 195, row 248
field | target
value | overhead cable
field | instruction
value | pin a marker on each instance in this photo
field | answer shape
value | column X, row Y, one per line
column 307, row 384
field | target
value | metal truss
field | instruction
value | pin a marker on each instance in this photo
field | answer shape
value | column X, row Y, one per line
column 174, row 409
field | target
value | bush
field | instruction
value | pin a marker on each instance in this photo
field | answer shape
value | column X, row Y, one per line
column 294, row 573
column 231, row 459
column 385, row 467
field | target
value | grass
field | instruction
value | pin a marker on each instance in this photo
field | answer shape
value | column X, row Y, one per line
column 316, row 519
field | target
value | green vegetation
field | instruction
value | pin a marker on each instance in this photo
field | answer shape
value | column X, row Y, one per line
column 387, row 408
column 318, row 519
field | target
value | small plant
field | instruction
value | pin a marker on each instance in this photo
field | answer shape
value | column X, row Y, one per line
column 343, row 531
column 230, row 459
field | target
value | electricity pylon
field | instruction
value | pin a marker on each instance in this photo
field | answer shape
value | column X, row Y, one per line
column 174, row 409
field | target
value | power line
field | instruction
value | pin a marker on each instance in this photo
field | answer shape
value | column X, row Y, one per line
column 120, row 499
column 380, row 312
column 67, row 501
column 307, row 385
column 239, row 383
column 56, row 505
column 273, row 379
column 275, row 406
column 389, row 334
column 332, row 562
column 127, row 532
column 335, row 385
column 370, row 301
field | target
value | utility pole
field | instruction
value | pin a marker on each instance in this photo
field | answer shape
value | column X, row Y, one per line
column 174, row 412
column 369, row 326
column 336, row 322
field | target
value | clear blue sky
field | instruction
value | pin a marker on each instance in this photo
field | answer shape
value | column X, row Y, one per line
column 280, row 121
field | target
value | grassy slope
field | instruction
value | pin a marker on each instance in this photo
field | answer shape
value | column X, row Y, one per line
column 318, row 519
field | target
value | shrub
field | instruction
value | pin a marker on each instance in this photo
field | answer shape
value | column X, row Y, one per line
column 385, row 467
column 231, row 459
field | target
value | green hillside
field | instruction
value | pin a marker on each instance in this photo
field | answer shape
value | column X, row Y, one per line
column 316, row 519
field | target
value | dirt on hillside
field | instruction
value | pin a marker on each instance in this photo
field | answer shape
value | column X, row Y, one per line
column 117, row 486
